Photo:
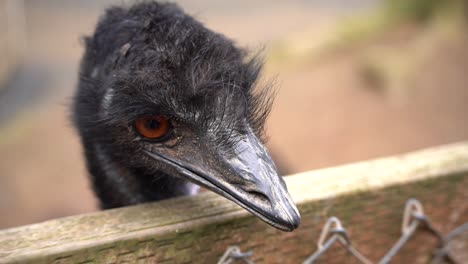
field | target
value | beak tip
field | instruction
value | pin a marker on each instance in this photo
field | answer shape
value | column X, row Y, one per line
column 292, row 222
column 296, row 221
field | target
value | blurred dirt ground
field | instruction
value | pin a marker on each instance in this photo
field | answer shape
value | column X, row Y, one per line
column 326, row 112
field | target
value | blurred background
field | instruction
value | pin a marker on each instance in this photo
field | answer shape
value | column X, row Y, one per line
column 357, row 79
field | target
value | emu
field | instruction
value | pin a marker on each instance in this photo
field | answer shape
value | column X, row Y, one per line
column 164, row 105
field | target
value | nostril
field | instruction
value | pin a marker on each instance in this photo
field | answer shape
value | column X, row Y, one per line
column 260, row 196
column 252, row 189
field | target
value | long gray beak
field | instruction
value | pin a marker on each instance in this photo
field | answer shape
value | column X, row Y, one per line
column 247, row 177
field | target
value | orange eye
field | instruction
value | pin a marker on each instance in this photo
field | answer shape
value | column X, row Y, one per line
column 152, row 126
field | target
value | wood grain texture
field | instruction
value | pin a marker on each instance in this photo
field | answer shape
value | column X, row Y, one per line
column 198, row 229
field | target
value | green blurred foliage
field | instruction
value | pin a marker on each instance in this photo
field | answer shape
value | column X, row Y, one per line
column 415, row 10
column 423, row 10
column 393, row 13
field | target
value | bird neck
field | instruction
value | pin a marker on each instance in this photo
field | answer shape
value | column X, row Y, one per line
column 117, row 185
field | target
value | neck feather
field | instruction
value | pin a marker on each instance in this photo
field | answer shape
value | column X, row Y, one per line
column 118, row 186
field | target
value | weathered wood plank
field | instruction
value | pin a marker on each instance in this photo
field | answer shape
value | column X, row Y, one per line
column 199, row 228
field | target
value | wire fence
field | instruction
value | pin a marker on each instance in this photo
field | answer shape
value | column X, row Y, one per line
column 414, row 220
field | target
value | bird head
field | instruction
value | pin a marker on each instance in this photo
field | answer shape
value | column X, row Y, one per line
column 184, row 104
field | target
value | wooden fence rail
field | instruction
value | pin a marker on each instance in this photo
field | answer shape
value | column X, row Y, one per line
column 368, row 197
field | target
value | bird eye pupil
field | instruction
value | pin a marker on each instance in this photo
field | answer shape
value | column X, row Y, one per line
column 153, row 124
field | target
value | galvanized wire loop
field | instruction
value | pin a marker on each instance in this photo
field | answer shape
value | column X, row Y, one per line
column 412, row 218
column 336, row 229
column 413, row 211
column 234, row 253
column 338, row 233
